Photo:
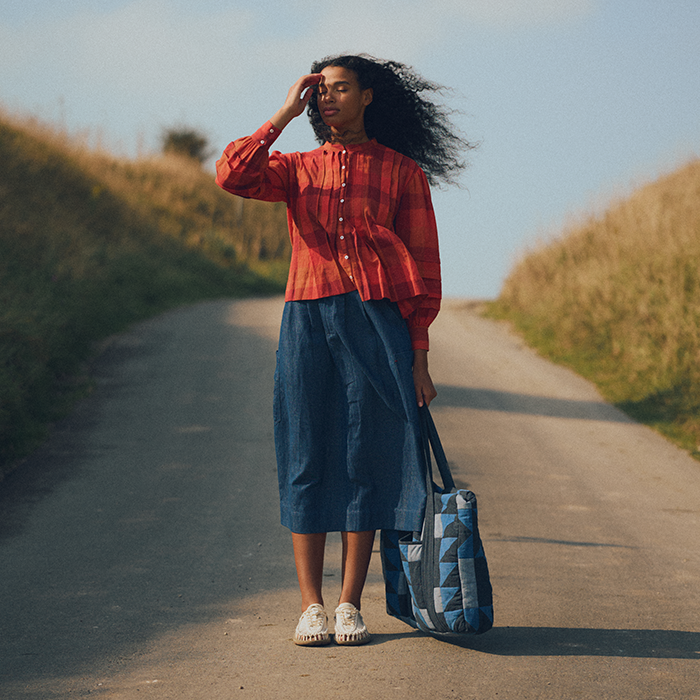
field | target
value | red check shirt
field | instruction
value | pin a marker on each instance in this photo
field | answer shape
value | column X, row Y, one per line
column 360, row 217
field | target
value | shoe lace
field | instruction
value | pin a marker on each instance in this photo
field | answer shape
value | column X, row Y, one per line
column 315, row 617
column 348, row 617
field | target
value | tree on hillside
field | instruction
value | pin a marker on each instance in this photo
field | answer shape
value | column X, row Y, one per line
column 187, row 142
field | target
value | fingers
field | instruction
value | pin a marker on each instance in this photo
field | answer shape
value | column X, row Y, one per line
column 419, row 396
column 425, row 389
column 426, row 399
column 308, row 84
column 300, row 93
column 425, row 393
column 297, row 98
column 312, row 78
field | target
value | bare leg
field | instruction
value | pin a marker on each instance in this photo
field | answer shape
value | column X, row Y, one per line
column 308, row 557
column 357, row 552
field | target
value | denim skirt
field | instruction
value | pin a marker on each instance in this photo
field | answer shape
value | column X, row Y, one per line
column 347, row 431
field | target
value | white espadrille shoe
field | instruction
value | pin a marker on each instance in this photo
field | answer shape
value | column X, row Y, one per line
column 312, row 630
column 350, row 629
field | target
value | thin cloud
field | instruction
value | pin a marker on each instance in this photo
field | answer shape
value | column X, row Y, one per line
column 519, row 13
column 145, row 45
column 149, row 62
column 418, row 22
column 408, row 30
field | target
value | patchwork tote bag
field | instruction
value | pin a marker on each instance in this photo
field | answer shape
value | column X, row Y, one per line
column 437, row 580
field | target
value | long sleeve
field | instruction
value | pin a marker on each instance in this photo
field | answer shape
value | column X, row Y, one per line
column 415, row 225
column 248, row 169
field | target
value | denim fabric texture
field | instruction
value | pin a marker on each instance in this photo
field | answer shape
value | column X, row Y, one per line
column 347, row 429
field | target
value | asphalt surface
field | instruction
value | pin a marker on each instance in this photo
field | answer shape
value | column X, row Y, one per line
column 141, row 554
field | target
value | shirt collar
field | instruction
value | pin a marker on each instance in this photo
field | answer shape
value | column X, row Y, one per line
column 352, row 147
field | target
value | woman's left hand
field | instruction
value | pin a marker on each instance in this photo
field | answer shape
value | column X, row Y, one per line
column 425, row 390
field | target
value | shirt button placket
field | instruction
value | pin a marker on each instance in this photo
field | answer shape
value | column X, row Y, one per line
column 341, row 210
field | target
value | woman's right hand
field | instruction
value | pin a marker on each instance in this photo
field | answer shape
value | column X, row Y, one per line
column 297, row 98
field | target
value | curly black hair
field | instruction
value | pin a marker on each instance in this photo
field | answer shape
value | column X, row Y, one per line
column 400, row 117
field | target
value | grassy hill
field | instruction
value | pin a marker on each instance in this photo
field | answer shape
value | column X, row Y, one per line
column 90, row 243
column 617, row 298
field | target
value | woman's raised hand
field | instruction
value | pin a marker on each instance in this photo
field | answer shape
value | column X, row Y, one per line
column 297, row 98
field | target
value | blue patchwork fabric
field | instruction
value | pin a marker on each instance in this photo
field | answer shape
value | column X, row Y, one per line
column 438, row 580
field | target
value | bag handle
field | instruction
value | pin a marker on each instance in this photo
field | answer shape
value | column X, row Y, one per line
column 431, row 439
column 431, row 553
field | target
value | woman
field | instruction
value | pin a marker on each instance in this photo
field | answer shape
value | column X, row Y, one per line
column 364, row 285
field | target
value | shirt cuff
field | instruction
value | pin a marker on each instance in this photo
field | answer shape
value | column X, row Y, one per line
column 419, row 337
column 267, row 134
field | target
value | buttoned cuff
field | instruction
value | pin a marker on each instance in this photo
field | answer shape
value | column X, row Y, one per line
column 267, row 134
column 419, row 337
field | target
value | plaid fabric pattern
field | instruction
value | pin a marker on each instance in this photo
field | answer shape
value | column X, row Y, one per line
column 438, row 580
column 360, row 218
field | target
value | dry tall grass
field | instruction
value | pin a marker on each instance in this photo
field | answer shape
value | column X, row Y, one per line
column 90, row 242
column 618, row 298
column 176, row 196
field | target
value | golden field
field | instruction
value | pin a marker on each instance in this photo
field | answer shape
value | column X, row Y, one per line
column 89, row 243
column 617, row 298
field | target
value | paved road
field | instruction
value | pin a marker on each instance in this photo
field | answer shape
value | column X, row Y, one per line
column 141, row 555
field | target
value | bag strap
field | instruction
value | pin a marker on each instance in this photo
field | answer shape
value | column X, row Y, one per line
column 431, row 553
column 431, row 439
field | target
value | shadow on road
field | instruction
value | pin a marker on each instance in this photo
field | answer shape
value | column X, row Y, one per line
column 509, row 402
column 152, row 508
column 564, row 543
column 559, row 641
column 38, row 477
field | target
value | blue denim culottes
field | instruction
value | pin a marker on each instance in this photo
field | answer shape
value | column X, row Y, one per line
column 347, row 432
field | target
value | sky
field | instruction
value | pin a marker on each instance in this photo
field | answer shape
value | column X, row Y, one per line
column 574, row 103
